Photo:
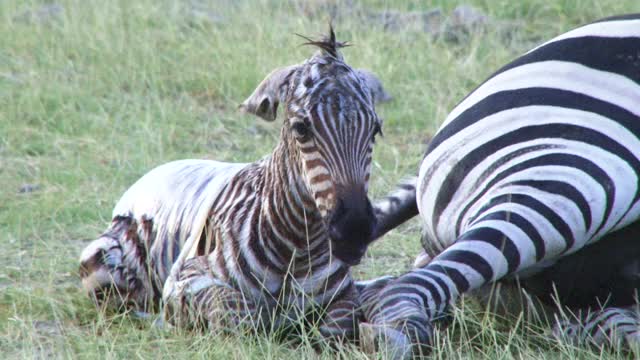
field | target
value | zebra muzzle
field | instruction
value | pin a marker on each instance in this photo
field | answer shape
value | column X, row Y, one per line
column 351, row 227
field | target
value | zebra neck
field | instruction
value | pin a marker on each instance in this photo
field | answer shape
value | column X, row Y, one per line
column 289, row 213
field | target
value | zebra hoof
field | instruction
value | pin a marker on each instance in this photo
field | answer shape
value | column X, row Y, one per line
column 385, row 340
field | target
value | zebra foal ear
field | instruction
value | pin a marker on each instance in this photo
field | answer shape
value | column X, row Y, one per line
column 267, row 96
column 378, row 92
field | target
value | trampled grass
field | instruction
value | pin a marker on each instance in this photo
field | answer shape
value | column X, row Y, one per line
column 100, row 93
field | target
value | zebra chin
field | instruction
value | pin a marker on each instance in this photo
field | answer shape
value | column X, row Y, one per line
column 351, row 227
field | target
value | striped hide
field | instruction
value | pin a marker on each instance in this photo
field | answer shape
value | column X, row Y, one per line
column 533, row 176
column 257, row 245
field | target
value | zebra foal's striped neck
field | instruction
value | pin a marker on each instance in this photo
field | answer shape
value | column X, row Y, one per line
column 288, row 208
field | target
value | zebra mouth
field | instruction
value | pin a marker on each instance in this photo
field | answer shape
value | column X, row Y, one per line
column 350, row 258
column 350, row 238
column 351, row 225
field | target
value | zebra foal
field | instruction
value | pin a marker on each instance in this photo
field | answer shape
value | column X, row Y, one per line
column 225, row 244
column 534, row 176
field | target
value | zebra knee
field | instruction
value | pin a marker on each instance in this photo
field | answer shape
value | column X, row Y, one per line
column 113, row 271
column 340, row 323
column 102, row 273
column 182, row 291
column 368, row 290
column 422, row 259
column 195, row 299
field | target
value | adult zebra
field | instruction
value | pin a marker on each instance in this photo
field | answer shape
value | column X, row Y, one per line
column 534, row 175
column 245, row 244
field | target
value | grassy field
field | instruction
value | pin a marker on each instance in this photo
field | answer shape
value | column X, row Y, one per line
column 100, row 93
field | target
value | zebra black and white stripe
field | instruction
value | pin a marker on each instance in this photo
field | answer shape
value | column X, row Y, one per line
column 535, row 175
column 225, row 243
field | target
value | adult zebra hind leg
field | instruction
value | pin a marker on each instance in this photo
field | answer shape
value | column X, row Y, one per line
column 395, row 208
column 389, row 340
column 496, row 243
column 611, row 326
column 113, row 268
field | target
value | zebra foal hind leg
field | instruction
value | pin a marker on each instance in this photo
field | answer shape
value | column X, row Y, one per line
column 194, row 298
column 113, row 268
column 610, row 326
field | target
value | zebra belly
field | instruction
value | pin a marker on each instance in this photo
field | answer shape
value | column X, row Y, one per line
column 607, row 272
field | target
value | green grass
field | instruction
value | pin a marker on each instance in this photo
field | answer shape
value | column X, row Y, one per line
column 93, row 100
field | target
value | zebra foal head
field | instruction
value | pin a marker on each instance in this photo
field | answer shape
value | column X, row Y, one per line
column 329, row 129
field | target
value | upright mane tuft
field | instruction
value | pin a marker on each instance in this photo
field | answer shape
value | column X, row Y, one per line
column 327, row 44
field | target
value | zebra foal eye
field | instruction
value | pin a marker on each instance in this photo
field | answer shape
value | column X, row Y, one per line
column 300, row 130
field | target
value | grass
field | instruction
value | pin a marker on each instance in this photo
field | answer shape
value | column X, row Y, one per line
column 92, row 100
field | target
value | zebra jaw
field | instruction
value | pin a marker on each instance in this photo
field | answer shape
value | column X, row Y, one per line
column 390, row 342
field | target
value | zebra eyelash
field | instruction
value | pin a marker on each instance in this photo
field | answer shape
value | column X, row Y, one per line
column 377, row 130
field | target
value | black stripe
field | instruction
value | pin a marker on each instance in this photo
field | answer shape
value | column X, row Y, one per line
column 441, row 284
column 561, row 188
column 524, row 225
column 617, row 55
column 255, row 246
column 576, row 162
column 177, row 247
column 529, row 201
column 456, row 276
column 507, row 100
column 496, row 238
column 412, row 278
column 570, row 132
column 469, row 258
column 404, row 290
column 490, row 169
column 610, row 54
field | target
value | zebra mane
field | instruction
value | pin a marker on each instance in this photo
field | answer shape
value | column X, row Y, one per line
column 328, row 44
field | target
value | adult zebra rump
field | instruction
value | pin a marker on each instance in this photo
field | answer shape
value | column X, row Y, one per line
column 534, row 175
column 225, row 244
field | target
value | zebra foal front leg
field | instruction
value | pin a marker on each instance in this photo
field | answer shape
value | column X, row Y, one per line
column 194, row 298
column 341, row 318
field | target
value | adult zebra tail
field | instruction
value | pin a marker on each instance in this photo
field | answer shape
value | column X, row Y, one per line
column 396, row 208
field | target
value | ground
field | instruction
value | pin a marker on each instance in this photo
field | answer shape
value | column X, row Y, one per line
column 93, row 94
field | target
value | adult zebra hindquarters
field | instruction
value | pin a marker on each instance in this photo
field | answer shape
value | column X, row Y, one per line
column 537, row 164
